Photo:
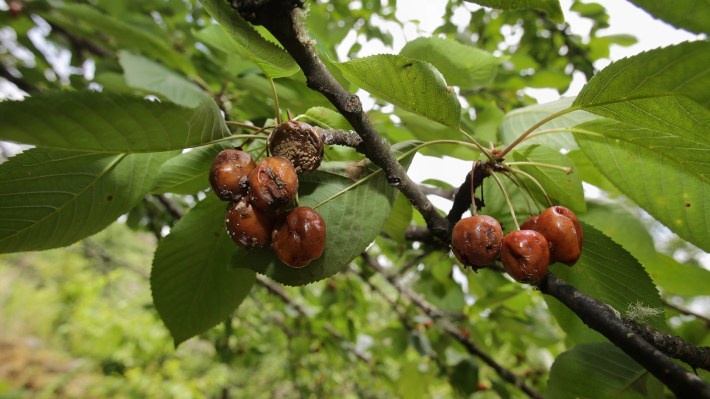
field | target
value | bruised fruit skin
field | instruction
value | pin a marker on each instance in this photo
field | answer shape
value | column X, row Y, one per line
column 249, row 227
column 299, row 237
column 273, row 184
column 529, row 224
column 229, row 172
column 525, row 256
column 476, row 240
column 562, row 230
column 300, row 143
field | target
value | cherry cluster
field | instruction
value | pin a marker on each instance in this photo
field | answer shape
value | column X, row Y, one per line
column 258, row 195
column 553, row 236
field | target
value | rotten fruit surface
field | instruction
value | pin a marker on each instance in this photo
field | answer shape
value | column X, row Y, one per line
column 562, row 230
column 248, row 227
column 300, row 143
column 273, row 184
column 229, row 172
column 525, row 256
column 476, row 241
column 299, row 237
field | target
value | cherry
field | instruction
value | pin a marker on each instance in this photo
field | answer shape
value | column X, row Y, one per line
column 529, row 224
column 300, row 143
column 228, row 174
column 273, row 183
column 562, row 230
column 476, row 240
column 249, row 227
column 299, row 237
column 525, row 256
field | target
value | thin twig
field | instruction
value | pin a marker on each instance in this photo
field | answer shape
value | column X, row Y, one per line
column 450, row 329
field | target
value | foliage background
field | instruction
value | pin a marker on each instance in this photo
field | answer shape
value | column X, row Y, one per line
column 80, row 321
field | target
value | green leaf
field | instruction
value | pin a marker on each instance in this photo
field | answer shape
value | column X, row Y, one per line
column 664, row 172
column 398, row 220
column 193, row 287
column 54, row 198
column 691, row 15
column 142, row 73
column 464, row 377
column 188, row 173
column 461, row 65
column 353, row 216
column 129, row 36
column 408, row 83
column 627, row 90
column 274, row 61
column 424, row 129
column 102, row 122
column 607, row 272
column 596, row 371
column 550, row 7
column 565, row 188
column 617, row 222
column 327, row 118
column 519, row 120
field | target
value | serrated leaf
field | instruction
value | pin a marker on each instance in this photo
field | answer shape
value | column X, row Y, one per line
column 353, row 218
column 129, row 36
column 461, row 65
column 550, row 7
column 274, row 61
column 188, row 173
column 103, row 122
column 405, row 82
column 687, row 14
column 617, row 222
column 627, row 89
column 193, row 287
column 142, row 73
column 564, row 187
column 596, row 371
column 519, row 120
column 664, row 172
column 50, row 199
column 327, row 118
column 607, row 272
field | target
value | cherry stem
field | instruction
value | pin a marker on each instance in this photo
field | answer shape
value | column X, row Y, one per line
column 532, row 128
column 247, row 126
column 474, row 211
column 534, row 180
column 566, row 169
column 277, row 108
column 525, row 189
column 478, row 145
column 507, row 200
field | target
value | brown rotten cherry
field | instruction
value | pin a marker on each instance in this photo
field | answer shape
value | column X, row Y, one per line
column 300, row 143
column 525, row 256
column 476, row 240
column 249, row 227
column 562, row 230
column 299, row 237
column 273, row 184
column 228, row 174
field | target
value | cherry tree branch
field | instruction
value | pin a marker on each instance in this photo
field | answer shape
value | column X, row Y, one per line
column 602, row 318
column 282, row 19
column 439, row 316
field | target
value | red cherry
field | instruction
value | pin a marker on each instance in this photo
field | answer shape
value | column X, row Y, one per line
column 562, row 230
column 273, row 184
column 228, row 174
column 529, row 224
column 525, row 256
column 299, row 237
column 476, row 240
column 249, row 227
